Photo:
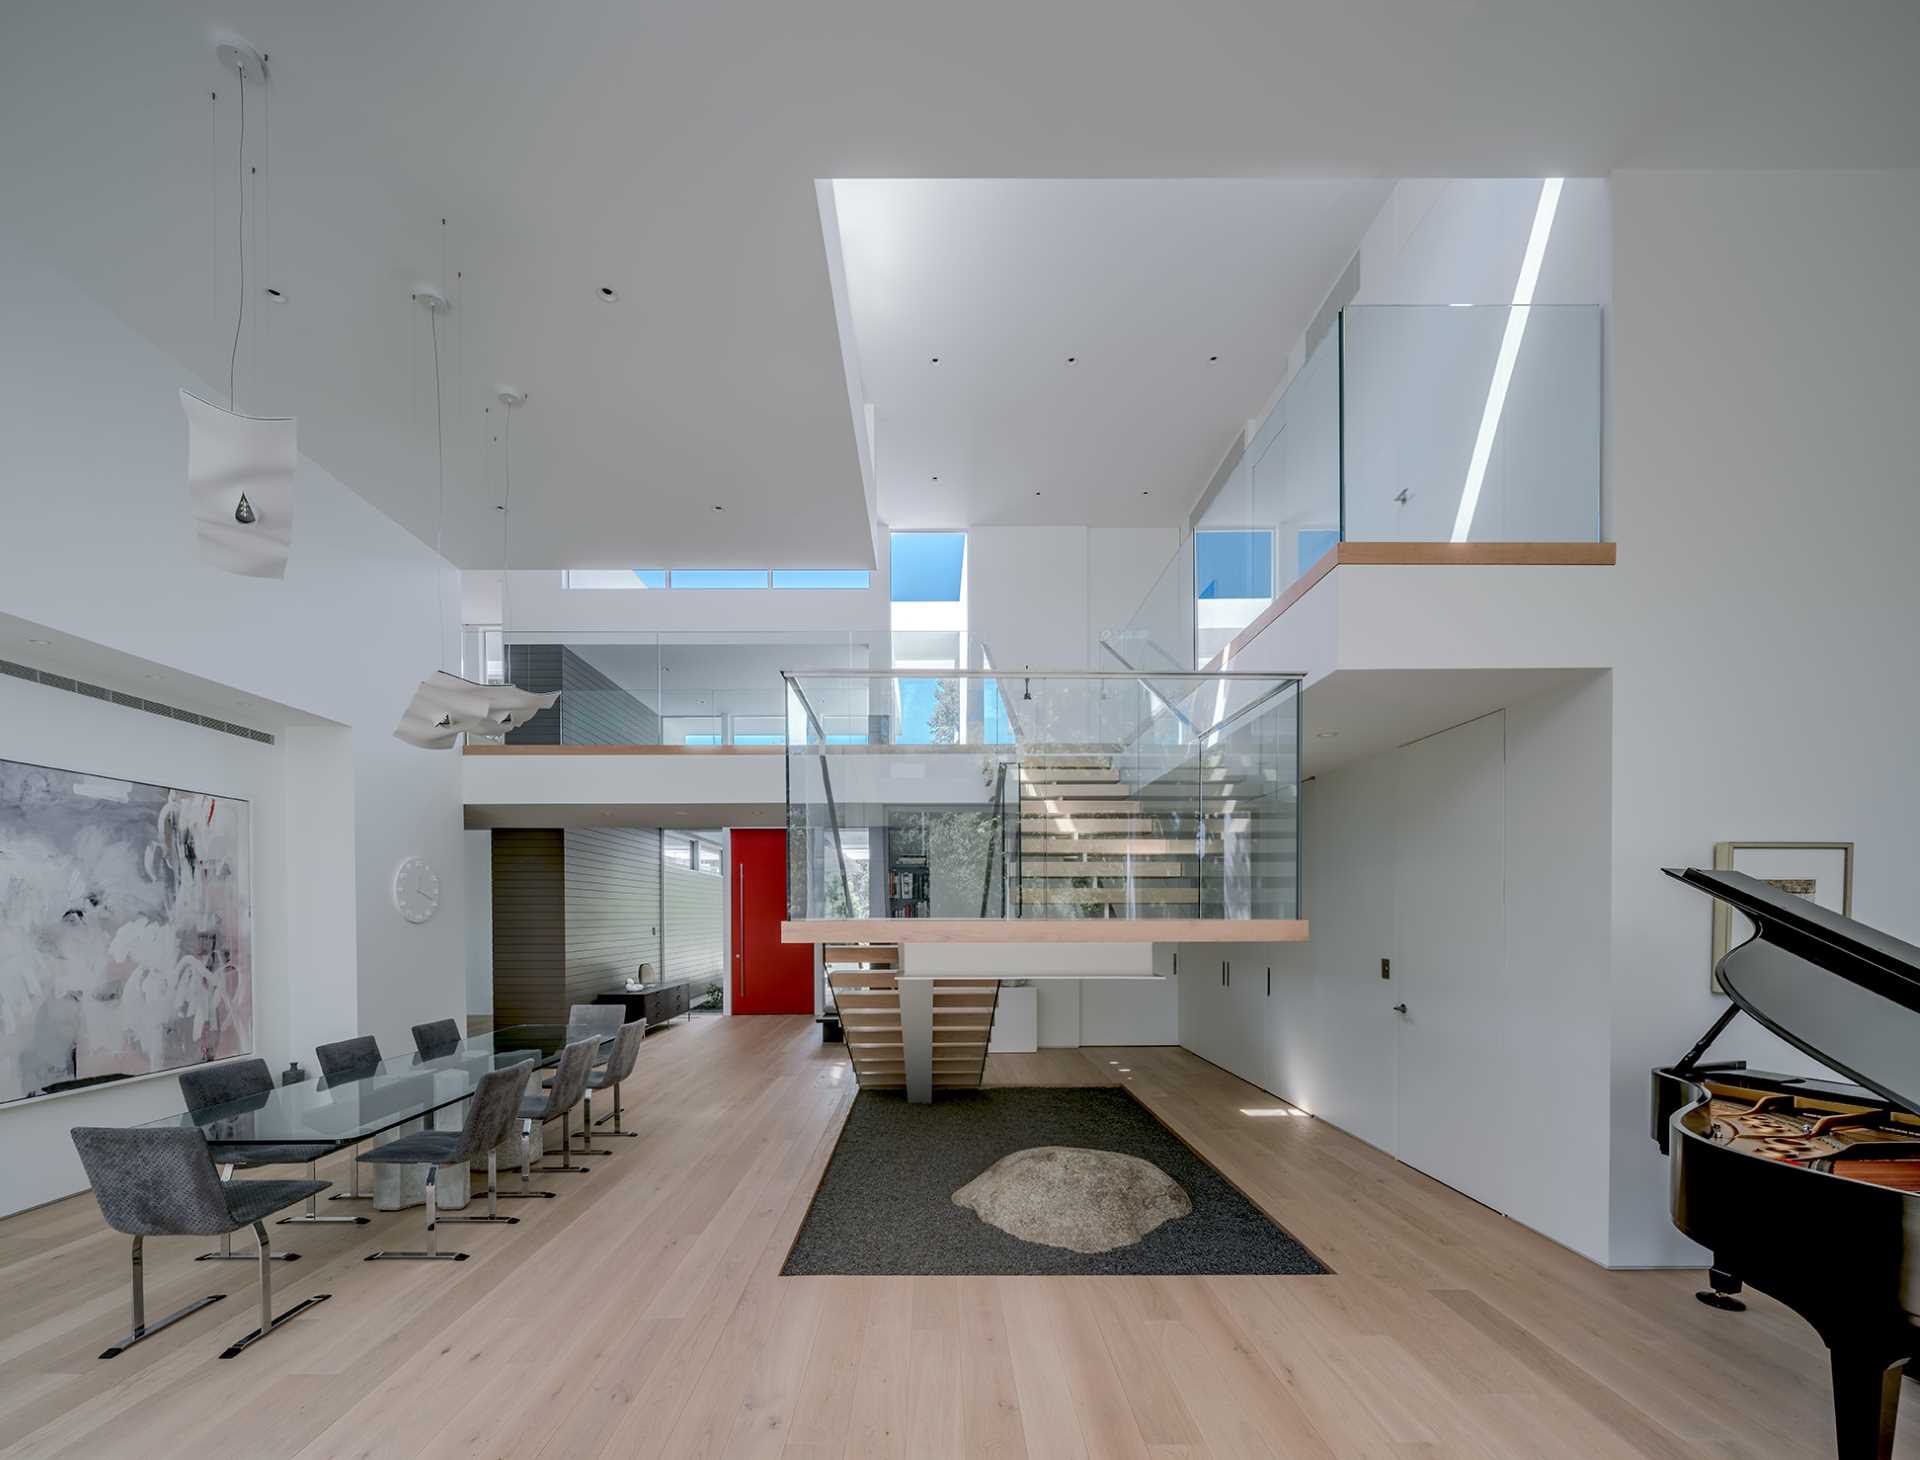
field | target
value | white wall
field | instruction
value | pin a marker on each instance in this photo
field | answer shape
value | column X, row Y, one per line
column 1331, row 1029
column 1768, row 500
column 95, row 453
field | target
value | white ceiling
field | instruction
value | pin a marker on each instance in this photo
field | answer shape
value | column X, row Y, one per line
column 1177, row 301
column 670, row 150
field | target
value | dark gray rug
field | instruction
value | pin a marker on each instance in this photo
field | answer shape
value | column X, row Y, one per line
column 885, row 1203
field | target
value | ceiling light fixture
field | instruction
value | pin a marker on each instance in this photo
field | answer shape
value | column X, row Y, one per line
column 934, row 361
column 610, row 295
column 1072, row 358
column 1213, row 359
column 936, row 479
column 718, row 508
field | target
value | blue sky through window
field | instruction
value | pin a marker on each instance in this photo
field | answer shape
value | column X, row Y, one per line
column 916, row 712
column 1233, row 564
column 1313, row 545
column 927, row 566
column 820, row 578
column 719, row 577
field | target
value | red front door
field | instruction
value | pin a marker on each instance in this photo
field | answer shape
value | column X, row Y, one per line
column 769, row 977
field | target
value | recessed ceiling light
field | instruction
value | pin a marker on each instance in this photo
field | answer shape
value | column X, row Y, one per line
column 936, row 479
column 1326, row 735
column 718, row 508
column 1072, row 358
column 1036, row 494
column 934, row 361
column 1213, row 359
column 609, row 294
column 1146, row 494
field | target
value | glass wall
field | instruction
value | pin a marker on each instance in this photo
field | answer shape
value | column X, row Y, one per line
column 1081, row 796
column 1468, row 423
column 664, row 688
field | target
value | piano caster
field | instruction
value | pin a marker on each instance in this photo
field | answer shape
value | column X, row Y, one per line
column 1721, row 1294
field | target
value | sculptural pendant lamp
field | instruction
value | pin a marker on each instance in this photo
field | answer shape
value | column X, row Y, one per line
column 446, row 706
column 240, row 468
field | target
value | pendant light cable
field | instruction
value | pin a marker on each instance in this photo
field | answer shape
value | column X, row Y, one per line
column 506, row 520
column 440, row 508
column 240, row 198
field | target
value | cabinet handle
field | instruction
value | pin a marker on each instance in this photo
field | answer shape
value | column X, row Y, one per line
column 1269, row 982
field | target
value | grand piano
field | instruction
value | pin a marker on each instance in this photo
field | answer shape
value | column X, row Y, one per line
column 1809, row 1189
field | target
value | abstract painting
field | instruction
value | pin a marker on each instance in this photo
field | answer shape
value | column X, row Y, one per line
column 126, row 929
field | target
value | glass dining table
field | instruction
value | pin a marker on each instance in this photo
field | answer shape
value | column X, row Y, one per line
column 401, row 1088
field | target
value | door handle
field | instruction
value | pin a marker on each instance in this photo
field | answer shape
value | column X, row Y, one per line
column 740, row 944
column 1399, row 1008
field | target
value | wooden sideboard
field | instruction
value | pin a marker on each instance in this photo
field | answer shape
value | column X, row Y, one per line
column 657, row 1003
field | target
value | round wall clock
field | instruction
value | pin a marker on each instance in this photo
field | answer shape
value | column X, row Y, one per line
column 416, row 890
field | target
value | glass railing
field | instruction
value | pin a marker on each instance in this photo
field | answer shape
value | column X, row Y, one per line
column 1467, row 423
column 970, row 794
column 684, row 688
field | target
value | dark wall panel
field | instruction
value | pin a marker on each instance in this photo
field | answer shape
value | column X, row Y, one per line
column 529, row 927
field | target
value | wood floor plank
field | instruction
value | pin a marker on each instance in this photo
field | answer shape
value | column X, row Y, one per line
column 641, row 1313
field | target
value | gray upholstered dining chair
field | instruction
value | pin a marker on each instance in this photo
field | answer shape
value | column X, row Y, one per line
column 251, row 1080
column 349, row 1059
column 161, row 1182
column 626, row 1051
column 441, row 1037
column 602, row 1021
column 566, row 1090
column 346, row 1059
column 491, row 1111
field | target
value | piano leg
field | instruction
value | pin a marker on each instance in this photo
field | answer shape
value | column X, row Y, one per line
column 1722, row 1286
column 1866, row 1402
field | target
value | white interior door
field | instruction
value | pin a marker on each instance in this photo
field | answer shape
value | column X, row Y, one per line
column 1449, row 961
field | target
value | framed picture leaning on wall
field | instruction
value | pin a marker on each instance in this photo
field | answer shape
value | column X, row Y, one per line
column 126, row 929
column 1821, row 872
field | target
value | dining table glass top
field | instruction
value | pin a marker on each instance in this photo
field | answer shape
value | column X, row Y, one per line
column 400, row 1088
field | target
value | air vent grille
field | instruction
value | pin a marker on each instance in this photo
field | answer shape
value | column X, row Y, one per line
column 132, row 702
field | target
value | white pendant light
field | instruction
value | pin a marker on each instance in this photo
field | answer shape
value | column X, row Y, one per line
column 240, row 468
column 446, row 706
column 240, row 473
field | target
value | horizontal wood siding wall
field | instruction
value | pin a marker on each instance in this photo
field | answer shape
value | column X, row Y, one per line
column 695, row 908
column 535, row 668
column 529, row 927
column 613, row 907
column 594, row 710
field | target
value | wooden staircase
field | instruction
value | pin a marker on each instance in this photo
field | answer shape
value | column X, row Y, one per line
column 865, row 981
column 1095, row 844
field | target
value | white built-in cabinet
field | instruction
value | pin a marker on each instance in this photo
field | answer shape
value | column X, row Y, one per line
column 1224, row 1007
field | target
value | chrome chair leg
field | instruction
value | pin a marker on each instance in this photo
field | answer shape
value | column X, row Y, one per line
column 226, row 1252
column 586, row 1130
column 312, row 1213
column 269, row 1323
column 353, row 1192
column 526, row 1168
column 493, row 1196
column 433, row 1252
column 566, row 1151
column 615, row 1118
column 141, row 1328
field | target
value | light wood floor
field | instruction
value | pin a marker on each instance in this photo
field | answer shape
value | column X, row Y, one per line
column 642, row 1314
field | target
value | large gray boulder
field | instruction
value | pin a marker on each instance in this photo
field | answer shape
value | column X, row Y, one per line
column 1066, row 1196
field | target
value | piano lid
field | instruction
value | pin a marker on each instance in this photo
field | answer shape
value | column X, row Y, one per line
column 1847, row 994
